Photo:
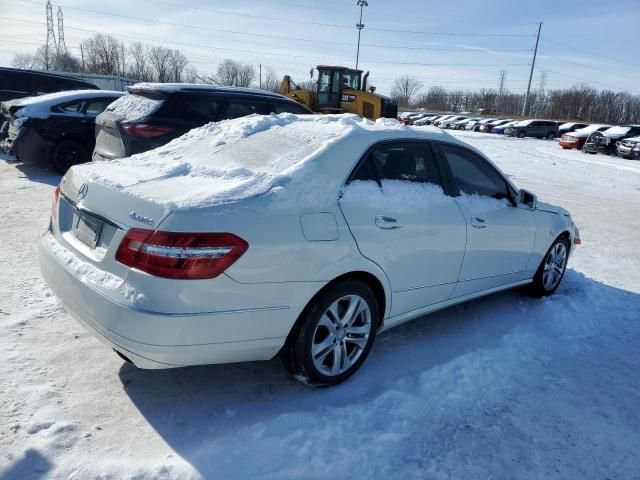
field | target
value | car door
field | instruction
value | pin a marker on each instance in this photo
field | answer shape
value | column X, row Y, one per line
column 500, row 236
column 403, row 221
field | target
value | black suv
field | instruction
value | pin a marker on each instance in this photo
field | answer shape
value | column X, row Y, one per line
column 605, row 142
column 58, row 128
column 533, row 128
column 17, row 83
column 154, row 114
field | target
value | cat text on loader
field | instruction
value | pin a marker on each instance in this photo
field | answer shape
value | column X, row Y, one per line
column 341, row 90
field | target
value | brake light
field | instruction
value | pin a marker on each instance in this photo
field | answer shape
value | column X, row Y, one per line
column 144, row 130
column 54, row 205
column 187, row 256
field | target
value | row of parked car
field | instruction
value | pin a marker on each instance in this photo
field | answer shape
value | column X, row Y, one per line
column 71, row 127
column 623, row 140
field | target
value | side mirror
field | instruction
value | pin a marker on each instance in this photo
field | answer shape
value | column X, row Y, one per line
column 528, row 199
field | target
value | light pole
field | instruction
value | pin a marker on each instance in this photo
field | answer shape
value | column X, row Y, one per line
column 360, row 26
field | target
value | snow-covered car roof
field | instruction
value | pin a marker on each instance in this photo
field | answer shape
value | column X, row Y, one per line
column 633, row 139
column 177, row 87
column 617, row 131
column 232, row 160
column 588, row 130
column 43, row 103
column 59, row 97
column 522, row 123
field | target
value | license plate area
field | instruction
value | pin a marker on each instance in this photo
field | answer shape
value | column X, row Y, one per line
column 87, row 229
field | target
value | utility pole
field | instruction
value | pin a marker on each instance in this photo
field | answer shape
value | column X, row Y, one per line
column 51, row 47
column 533, row 64
column 360, row 26
column 502, row 80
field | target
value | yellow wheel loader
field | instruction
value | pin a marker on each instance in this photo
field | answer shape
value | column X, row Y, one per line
column 341, row 90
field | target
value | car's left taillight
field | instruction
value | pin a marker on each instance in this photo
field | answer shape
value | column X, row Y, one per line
column 54, row 204
column 179, row 255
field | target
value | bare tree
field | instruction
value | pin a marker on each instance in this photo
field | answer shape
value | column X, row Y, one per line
column 160, row 60
column 235, row 74
column 24, row 60
column 138, row 64
column 177, row 63
column 271, row 81
column 103, row 54
column 405, row 89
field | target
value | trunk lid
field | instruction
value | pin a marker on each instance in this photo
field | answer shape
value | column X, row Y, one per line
column 109, row 143
column 111, row 203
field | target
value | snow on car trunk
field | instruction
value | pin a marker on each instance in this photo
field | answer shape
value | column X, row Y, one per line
column 209, row 165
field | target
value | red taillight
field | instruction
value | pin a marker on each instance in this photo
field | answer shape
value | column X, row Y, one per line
column 144, row 130
column 180, row 255
column 54, row 204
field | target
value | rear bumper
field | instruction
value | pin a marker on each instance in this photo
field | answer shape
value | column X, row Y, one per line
column 153, row 339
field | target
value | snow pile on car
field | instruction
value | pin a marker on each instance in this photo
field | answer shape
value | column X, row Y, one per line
column 132, row 107
column 209, row 165
column 40, row 106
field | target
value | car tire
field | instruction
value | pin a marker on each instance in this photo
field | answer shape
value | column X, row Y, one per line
column 521, row 134
column 327, row 345
column 551, row 270
column 68, row 153
column 551, row 136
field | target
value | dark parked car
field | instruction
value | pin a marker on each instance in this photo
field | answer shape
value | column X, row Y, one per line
column 18, row 83
column 533, row 128
column 605, row 142
column 59, row 127
column 154, row 114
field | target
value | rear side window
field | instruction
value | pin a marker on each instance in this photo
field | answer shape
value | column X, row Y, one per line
column 474, row 175
column 242, row 108
column 96, row 107
column 289, row 107
column 72, row 107
column 405, row 161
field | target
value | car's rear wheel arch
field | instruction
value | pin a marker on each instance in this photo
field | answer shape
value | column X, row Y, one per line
column 368, row 279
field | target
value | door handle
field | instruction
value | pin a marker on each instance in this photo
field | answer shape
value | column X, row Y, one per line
column 477, row 222
column 387, row 223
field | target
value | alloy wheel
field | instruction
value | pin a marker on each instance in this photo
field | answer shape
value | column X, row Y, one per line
column 554, row 266
column 341, row 335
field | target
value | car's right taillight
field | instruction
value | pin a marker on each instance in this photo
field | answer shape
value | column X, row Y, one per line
column 179, row 255
column 54, row 204
column 145, row 130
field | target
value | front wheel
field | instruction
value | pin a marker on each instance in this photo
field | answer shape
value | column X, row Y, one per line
column 551, row 270
column 68, row 153
column 333, row 336
column 521, row 134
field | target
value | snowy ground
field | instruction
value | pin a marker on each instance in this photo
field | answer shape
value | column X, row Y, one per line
column 500, row 388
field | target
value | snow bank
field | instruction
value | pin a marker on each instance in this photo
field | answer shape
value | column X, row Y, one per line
column 208, row 166
column 133, row 107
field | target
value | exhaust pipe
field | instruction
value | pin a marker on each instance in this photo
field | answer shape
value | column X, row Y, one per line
column 364, row 81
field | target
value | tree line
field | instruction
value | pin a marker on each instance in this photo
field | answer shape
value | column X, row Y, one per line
column 580, row 102
column 104, row 54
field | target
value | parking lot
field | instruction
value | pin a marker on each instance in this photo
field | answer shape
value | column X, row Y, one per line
column 503, row 387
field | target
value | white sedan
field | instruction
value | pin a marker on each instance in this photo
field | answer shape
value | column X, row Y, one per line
column 304, row 236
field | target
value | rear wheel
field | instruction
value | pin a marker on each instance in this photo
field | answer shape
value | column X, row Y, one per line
column 521, row 134
column 551, row 136
column 551, row 270
column 67, row 153
column 333, row 336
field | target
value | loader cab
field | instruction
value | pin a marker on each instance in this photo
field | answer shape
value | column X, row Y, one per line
column 331, row 82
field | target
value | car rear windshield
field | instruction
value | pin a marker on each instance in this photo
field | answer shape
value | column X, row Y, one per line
column 135, row 106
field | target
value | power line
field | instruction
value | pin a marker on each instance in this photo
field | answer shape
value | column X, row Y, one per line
column 593, row 53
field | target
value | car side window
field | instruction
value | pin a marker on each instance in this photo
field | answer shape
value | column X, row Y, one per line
column 289, row 107
column 96, row 107
column 74, row 107
column 241, row 108
column 405, row 161
column 474, row 175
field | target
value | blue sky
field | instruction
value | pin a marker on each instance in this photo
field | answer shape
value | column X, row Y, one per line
column 463, row 44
